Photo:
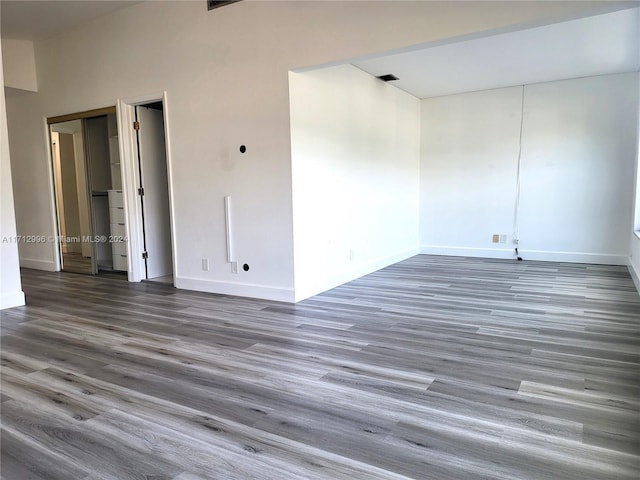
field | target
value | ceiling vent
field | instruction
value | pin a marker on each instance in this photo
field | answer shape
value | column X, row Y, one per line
column 211, row 4
column 389, row 77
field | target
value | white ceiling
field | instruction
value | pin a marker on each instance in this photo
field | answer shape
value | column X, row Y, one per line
column 597, row 45
column 38, row 20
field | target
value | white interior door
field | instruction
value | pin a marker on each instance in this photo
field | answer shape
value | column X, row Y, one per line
column 155, row 201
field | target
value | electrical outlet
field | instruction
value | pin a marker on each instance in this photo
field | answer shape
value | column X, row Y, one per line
column 495, row 238
column 503, row 238
column 205, row 264
column 352, row 254
column 234, row 267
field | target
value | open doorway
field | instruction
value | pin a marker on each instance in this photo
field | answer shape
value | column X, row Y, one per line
column 92, row 236
column 153, row 192
column 73, row 210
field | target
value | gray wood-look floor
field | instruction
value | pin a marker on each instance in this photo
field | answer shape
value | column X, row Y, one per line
column 434, row 368
column 76, row 263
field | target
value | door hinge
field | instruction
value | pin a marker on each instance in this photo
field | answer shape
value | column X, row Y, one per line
column 145, row 255
column 136, row 126
column 141, row 191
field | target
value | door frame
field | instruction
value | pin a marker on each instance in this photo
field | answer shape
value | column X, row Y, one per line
column 131, row 179
column 54, row 191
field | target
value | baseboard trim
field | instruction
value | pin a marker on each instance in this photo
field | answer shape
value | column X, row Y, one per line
column 575, row 257
column 46, row 265
column 635, row 276
column 506, row 253
column 355, row 272
column 11, row 299
column 278, row 294
column 538, row 255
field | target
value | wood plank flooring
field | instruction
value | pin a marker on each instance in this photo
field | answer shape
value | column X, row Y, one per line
column 434, row 368
column 74, row 262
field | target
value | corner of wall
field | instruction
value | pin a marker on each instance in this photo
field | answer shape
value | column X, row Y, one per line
column 348, row 275
column 276, row 294
column 11, row 299
column 11, row 294
column 18, row 58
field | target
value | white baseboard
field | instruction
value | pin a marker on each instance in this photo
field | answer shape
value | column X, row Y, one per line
column 46, row 265
column 357, row 271
column 539, row 255
column 468, row 251
column 278, row 294
column 635, row 275
column 11, row 299
column 575, row 257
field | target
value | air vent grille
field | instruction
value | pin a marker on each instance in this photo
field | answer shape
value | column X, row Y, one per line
column 211, row 4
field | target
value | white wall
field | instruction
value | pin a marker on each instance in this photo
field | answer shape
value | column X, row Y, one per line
column 355, row 151
column 634, row 255
column 578, row 153
column 11, row 294
column 32, row 179
column 19, row 63
column 225, row 74
column 579, row 146
column 468, row 172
